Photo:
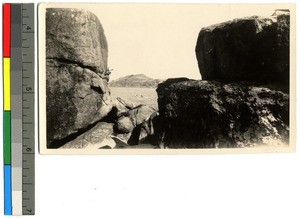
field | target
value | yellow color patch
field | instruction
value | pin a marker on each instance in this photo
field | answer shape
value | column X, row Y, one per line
column 6, row 81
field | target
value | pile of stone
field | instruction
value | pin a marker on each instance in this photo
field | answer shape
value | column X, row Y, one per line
column 243, row 99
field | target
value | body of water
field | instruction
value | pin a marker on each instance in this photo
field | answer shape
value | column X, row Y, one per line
column 136, row 96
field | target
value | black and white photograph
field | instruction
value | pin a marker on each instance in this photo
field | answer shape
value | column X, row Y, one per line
column 166, row 78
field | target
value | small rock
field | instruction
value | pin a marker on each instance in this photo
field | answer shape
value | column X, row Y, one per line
column 137, row 122
column 125, row 125
column 95, row 138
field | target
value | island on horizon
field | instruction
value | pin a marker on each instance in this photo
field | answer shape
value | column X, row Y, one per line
column 135, row 80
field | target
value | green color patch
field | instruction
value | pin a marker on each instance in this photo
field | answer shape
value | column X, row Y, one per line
column 7, row 137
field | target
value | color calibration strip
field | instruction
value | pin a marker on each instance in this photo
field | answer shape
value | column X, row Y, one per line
column 7, row 110
column 18, row 51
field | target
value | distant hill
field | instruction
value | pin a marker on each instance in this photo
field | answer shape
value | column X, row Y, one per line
column 137, row 80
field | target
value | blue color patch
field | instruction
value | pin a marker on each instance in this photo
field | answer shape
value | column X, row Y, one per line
column 7, row 190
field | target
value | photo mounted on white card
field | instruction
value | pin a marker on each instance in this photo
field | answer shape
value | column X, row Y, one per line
column 166, row 78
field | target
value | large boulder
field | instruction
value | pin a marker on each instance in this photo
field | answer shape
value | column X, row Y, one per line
column 76, row 72
column 252, row 49
column 208, row 114
column 76, row 36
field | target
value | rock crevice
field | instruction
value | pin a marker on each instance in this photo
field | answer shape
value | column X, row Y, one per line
column 67, row 61
column 77, row 94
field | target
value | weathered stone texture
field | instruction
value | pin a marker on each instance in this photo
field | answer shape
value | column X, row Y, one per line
column 76, row 72
column 253, row 49
column 206, row 114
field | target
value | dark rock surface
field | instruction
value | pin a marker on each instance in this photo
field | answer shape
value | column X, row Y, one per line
column 97, row 137
column 252, row 49
column 76, row 72
column 207, row 114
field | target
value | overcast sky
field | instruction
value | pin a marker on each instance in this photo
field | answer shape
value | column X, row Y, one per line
column 159, row 40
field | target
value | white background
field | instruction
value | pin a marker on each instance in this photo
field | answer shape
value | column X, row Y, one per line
column 235, row 186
